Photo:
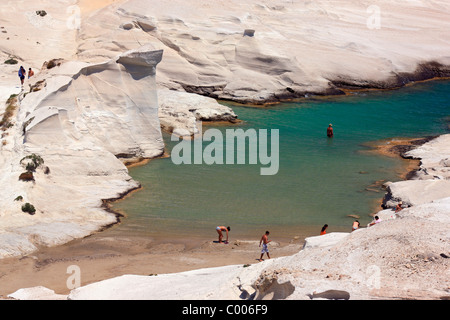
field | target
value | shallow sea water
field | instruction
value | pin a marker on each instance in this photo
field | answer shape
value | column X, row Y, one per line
column 320, row 180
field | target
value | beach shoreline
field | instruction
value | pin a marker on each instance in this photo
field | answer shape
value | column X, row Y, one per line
column 107, row 254
column 101, row 257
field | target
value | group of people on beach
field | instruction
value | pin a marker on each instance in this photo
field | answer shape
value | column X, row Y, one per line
column 355, row 226
column 264, row 240
column 356, row 223
column 23, row 73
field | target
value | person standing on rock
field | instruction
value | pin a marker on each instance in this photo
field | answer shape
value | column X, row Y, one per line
column 324, row 229
column 264, row 241
column 30, row 73
column 330, row 133
column 22, row 74
column 219, row 230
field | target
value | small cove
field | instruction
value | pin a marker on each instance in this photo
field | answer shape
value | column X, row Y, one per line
column 320, row 180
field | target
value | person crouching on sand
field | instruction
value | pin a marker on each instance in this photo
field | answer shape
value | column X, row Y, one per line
column 219, row 230
column 264, row 240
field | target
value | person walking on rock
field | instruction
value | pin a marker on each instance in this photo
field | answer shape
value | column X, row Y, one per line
column 22, row 74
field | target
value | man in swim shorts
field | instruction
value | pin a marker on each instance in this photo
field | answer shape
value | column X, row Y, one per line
column 264, row 240
column 219, row 230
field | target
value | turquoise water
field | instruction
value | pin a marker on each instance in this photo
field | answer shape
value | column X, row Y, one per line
column 320, row 180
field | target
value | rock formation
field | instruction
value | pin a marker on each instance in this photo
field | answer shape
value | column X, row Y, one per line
column 85, row 118
column 265, row 51
column 179, row 112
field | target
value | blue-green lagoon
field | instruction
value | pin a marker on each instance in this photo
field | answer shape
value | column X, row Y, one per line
column 319, row 181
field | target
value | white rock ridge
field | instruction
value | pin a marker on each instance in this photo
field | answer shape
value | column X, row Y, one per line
column 260, row 51
column 83, row 118
column 432, row 180
column 179, row 112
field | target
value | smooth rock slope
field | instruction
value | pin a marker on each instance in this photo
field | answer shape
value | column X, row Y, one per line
column 264, row 51
column 80, row 122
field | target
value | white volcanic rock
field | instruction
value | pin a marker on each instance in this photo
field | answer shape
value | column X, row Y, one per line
column 34, row 39
column 415, row 192
column 99, row 101
column 431, row 181
column 179, row 112
column 434, row 158
column 132, row 287
column 36, row 293
column 324, row 240
column 82, row 119
column 258, row 51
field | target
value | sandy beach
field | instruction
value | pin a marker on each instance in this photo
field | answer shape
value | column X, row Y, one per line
column 100, row 257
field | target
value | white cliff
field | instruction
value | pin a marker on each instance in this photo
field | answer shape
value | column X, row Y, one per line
column 264, row 51
column 84, row 116
column 80, row 122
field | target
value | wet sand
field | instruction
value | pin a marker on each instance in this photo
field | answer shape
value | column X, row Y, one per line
column 100, row 257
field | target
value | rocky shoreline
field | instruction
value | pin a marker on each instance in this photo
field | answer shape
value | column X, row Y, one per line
column 424, row 72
